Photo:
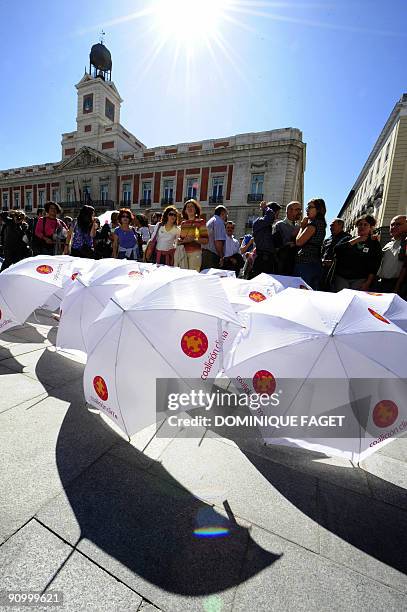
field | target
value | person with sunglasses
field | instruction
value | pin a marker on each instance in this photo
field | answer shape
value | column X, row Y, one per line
column 167, row 236
column 309, row 243
column 125, row 243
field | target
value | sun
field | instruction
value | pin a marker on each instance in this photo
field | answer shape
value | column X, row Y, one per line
column 189, row 22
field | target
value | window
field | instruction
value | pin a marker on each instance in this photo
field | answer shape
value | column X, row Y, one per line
column 146, row 190
column 5, row 201
column 55, row 195
column 217, row 186
column 41, row 198
column 16, row 199
column 192, row 187
column 168, row 189
column 88, row 103
column 70, row 195
column 387, row 151
column 86, row 194
column 109, row 110
column 377, row 165
column 104, row 192
column 257, row 184
column 28, row 200
column 126, row 193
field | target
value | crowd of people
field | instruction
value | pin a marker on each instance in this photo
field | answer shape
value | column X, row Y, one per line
column 295, row 245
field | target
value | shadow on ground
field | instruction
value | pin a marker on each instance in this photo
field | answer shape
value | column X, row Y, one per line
column 148, row 522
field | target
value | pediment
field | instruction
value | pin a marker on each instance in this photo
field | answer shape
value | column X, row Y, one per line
column 87, row 157
column 86, row 77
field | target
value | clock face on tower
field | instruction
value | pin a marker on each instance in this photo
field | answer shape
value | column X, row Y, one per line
column 88, row 103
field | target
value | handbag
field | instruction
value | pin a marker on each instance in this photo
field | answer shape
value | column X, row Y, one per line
column 180, row 257
column 150, row 254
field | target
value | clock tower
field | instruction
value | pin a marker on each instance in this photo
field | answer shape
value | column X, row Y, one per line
column 98, row 111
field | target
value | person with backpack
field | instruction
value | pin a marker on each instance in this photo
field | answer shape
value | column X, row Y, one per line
column 50, row 232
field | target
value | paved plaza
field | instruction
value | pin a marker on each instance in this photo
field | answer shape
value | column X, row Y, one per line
column 115, row 526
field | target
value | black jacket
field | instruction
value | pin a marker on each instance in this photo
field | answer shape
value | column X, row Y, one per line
column 16, row 241
column 330, row 243
column 357, row 260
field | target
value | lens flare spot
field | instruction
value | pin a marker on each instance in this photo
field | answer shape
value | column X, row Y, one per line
column 211, row 532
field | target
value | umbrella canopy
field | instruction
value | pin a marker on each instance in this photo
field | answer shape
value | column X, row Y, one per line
column 391, row 305
column 77, row 266
column 322, row 354
column 29, row 283
column 7, row 321
column 218, row 272
column 88, row 295
column 106, row 217
column 245, row 293
column 171, row 328
column 282, row 282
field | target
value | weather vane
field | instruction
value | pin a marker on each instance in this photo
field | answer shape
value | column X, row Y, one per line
column 102, row 36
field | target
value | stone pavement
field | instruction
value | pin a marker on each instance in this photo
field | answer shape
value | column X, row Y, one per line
column 111, row 524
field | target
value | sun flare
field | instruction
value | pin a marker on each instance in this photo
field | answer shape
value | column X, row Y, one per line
column 190, row 21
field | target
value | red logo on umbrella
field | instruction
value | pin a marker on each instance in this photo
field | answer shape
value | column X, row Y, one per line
column 74, row 275
column 101, row 388
column 44, row 269
column 194, row 343
column 256, row 296
column 264, row 382
column 385, row 413
column 372, row 293
column 378, row 316
column 134, row 273
column 303, row 287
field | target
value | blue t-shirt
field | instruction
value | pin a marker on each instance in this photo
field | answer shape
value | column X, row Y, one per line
column 127, row 240
column 216, row 231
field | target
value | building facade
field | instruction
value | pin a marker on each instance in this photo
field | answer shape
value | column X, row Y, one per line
column 381, row 187
column 103, row 164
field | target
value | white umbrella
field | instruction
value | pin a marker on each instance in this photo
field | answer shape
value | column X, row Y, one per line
column 77, row 266
column 217, row 272
column 391, row 305
column 171, row 328
column 7, row 321
column 245, row 293
column 106, row 217
column 29, row 283
column 282, row 282
column 323, row 355
column 89, row 294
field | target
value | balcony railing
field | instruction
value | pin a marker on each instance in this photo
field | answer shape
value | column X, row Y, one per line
column 167, row 201
column 125, row 203
column 254, row 197
column 145, row 202
column 190, row 197
column 97, row 204
column 216, row 199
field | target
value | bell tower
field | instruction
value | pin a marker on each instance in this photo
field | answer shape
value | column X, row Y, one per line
column 98, row 111
column 98, row 99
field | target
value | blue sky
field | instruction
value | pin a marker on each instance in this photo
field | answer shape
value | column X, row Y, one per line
column 332, row 69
